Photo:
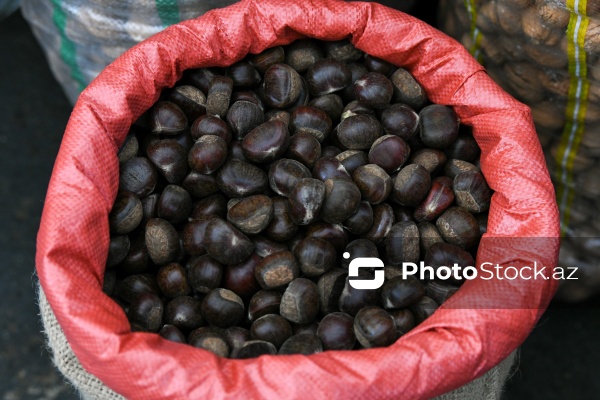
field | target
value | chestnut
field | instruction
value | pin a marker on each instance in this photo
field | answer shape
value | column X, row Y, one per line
column 146, row 311
column 333, row 233
column 243, row 74
column 428, row 235
column 472, row 192
column 374, row 183
column 373, row 90
column 303, row 343
column 236, row 337
column 172, row 280
column 305, row 201
column 326, row 76
column 336, row 332
column 315, row 256
column 240, row 179
column 174, row 204
column 446, row 254
column 303, row 53
column 438, row 126
column 458, row 227
column 271, row 328
column 247, row 95
column 432, row 160
column 403, row 320
column 352, row 159
column 454, row 167
column 253, row 349
column 310, row 120
column 194, row 235
column 355, row 108
column 389, row 152
column 464, row 147
column 222, row 308
column 383, row 219
column 264, row 60
column 264, row 247
column 281, row 85
column 200, row 77
column 167, row 118
column 401, row 292
column 400, row 120
column 252, row 214
column 170, row 158
column 374, row 327
column 342, row 50
column 118, row 248
column 126, row 213
column 239, row 278
column 402, row 243
column 208, row 154
column 402, row 213
column 200, row 185
column 423, row 309
column 352, row 299
column 300, row 301
column 135, row 285
column 329, row 168
column 439, row 198
column 359, row 132
column 282, row 228
column 162, row 241
column 284, row 174
column 190, row 99
column 211, row 205
column 204, row 273
column 184, row 313
column 407, row 90
column 311, row 328
column 243, row 116
column 219, row 96
column 305, row 148
column 359, row 248
column 375, row 64
column 411, row 186
column 278, row 115
column 137, row 175
column 330, row 287
column 137, row 259
column 225, row 243
column 276, row 270
column 262, row 303
column 211, row 125
column 266, row 142
column 331, row 103
column 342, row 199
column 172, row 333
column 129, row 148
column 211, row 339
column 361, row 221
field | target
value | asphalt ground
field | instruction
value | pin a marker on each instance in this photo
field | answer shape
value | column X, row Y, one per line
column 557, row 361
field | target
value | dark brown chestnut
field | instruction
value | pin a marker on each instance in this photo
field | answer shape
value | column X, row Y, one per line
column 172, row 333
column 379, row 65
column 428, row 235
column 118, row 247
column 359, row 248
column 402, row 213
column 374, row 183
column 310, row 120
column 342, row 199
column 330, row 287
column 315, row 256
column 138, row 175
column 225, row 243
column 200, row 185
column 401, row 292
column 400, row 120
column 336, row 332
column 146, row 311
column 439, row 198
column 454, row 167
column 302, row 343
column 184, row 312
column 438, row 126
column 210, row 125
column 208, row 154
column 352, row 299
column 172, row 280
column 458, row 227
column 472, row 192
column 445, row 254
column 170, row 158
column 278, row 115
column 300, row 301
column 373, row 90
column 190, row 99
column 252, row 214
column 243, row 116
column 240, row 179
column 383, row 219
column 264, row 247
column 262, row 303
column 129, row 148
column 423, row 309
column 222, row 308
column 464, row 147
column 194, row 235
column 200, row 77
column 306, row 328
column 137, row 259
column 236, row 337
column 404, row 321
column 389, row 152
column 282, row 86
column 342, row 50
column 352, row 159
column 305, row 148
column 282, row 228
column 356, row 108
column 167, row 118
column 333, row 233
column 243, row 74
column 407, row 90
column 253, row 349
column 266, row 142
column 411, row 186
column 135, row 285
column 402, row 243
column 267, row 58
column 174, row 204
column 204, row 274
column 326, row 76
column 361, row 221
column 211, row 205
column 303, row 53
column 126, row 214
column 162, row 241
column 239, row 278
column 374, row 327
column 305, row 201
column 249, row 96
column 219, row 96
column 284, row 174
column 329, row 168
column 432, row 160
column 359, row 132
column 331, row 103
column 211, row 339
column 276, row 270
column 271, row 328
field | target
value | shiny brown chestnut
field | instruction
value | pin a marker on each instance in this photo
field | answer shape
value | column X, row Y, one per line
column 219, row 96
column 174, row 204
column 432, row 160
column 208, row 154
column 428, row 235
column 359, row 132
column 454, row 167
column 472, row 192
column 236, row 336
column 190, row 99
column 281, row 85
column 375, row 64
column 464, row 148
column 249, row 96
column 336, row 332
column 211, row 125
column 356, row 70
column 374, row 327
column 300, row 301
column 352, row 159
column 162, row 241
column 374, row 183
column 277, row 270
column 329, row 168
column 172, row 280
column 262, row 303
column 342, row 50
column 278, row 115
column 194, row 235
column 222, row 308
column 330, row 287
column 326, row 76
column 302, row 343
column 211, row 205
column 400, row 120
column 439, row 198
column 356, row 108
column 407, row 90
column 253, row 349
column 135, row 285
column 446, row 254
column 252, row 214
column 146, row 311
column 305, row 201
column 243, row 116
column 264, row 247
column 211, row 339
column 284, row 174
column 267, row 142
column 240, row 179
column 282, row 228
column 264, row 60
column 137, row 259
column 118, row 247
column 411, row 186
column 138, row 175
column 331, row 103
column 401, row 292
column 167, row 118
column 243, row 74
column 200, row 77
column 383, row 219
column 361, row 221
column 129, row 148
column 225, row 243
column 438, row 126
column 315, row 256
column 402, row 213
column 389, row 152
column 204, row 274
column 403, row 320
column 359, row 248
column 373, row 90
column 200, row 185
column 184, row 312
column 126, row 213
column 239, row 278
column 170, row 158
column 304, row 148
column 333, row 233
column 458, row 227
column 271, row 328
column 402, row 243
column 303, row 53
column 342, row 199
column 172, row 333
column 310, row 120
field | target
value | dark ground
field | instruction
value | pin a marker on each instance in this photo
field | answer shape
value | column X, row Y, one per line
column 558, row 361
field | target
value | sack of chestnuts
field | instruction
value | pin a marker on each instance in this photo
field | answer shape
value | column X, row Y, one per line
column 210, row 238
column 545, row 53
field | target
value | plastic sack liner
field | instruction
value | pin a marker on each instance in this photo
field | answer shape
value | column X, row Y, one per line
column 479, row 326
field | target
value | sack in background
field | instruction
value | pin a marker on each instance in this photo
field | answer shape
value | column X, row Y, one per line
column 546, row 53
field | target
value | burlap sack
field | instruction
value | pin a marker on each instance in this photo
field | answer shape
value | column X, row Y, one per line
column 486, row 387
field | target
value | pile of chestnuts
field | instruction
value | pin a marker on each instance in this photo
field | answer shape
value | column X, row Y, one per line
column 243, row 188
